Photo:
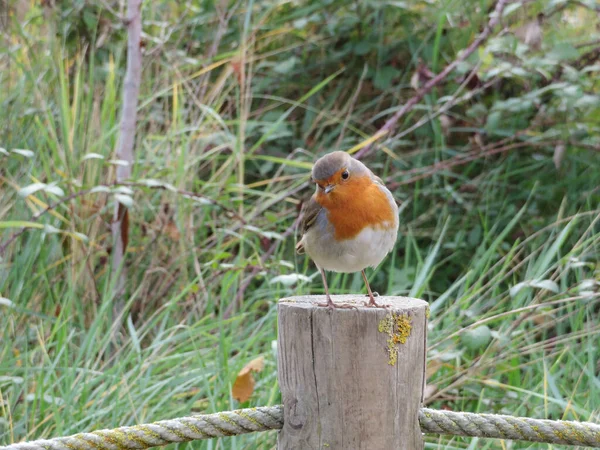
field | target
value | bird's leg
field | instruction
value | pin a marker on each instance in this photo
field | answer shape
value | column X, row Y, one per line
column 372, row 302
column 330, row 303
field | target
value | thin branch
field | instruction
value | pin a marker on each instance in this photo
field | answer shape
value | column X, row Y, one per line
column 485, row 34
column 450, row 103
column 492, row 149
column 131, row 89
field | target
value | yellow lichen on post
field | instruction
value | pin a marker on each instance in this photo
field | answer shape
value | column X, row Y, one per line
column 403, row 327
column 398, row 328
column 392, row 350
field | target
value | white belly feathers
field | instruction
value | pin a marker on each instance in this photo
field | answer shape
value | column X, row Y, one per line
column 367, row 249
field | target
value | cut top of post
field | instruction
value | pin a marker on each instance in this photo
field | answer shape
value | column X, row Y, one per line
column 359, row 302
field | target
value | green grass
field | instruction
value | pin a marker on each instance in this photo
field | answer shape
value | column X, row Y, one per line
column 503, row 245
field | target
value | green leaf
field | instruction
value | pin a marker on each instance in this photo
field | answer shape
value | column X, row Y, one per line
column 92, row 156
column 384, row 77
column 125, row 200
column 284, row 116
column 23, row 152
column 563, row 51
column 426, row 271
column 90, row 20
column 20, row 224
column 546, row 259
column 286, row 65
column 289, row 279
column 284, row 161
column 476, row 338
column 511, row 8
column 31, row 189
column 540, row 284
column 493, row 121
column 362, row 48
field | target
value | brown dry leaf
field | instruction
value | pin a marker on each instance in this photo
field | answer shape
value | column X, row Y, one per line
column 243, row 387
column 172, row 231
column 256, row 365
column 244, row 383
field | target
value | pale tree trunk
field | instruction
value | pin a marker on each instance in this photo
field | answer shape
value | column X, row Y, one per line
column 131, row 89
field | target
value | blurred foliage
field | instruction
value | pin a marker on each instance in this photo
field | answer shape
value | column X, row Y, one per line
column 496, row 170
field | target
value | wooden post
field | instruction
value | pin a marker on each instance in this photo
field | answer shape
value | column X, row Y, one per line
column 351, row 378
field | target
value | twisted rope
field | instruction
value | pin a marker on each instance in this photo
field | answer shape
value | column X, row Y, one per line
column 241, row 421
column 183, row 429
column 508, row 427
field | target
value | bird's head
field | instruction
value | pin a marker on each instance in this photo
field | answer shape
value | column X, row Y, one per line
column 337, row 171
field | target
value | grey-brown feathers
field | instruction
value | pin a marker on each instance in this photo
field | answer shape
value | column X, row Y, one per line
column 328, row 165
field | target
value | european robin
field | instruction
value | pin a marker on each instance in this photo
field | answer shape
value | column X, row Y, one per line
column 351, row 221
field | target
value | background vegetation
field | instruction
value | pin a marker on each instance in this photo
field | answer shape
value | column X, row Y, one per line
column 497, row 174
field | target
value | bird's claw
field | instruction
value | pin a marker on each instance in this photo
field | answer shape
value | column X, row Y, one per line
column 331, row 306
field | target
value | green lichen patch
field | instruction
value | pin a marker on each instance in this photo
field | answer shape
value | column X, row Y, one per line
column 386, row 325
column 427, row 312
column 398, row 328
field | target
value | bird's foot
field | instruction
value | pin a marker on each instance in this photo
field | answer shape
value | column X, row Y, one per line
column 372, row 303
column 333, row 306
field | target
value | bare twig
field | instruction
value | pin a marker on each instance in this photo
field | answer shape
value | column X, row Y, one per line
column 124, row 152
column 489, row 150
column 485, row 34
column 450, row 103
column 460, row 160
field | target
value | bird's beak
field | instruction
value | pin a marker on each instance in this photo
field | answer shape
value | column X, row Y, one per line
column 329, row 188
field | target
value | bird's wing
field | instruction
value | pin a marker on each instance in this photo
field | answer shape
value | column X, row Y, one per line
column 310, row 211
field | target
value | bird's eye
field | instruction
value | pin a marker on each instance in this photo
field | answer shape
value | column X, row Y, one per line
column 345, row 175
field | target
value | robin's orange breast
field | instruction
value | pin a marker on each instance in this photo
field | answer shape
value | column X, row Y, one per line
column 355, row 205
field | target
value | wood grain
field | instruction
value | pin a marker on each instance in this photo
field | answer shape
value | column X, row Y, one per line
column 351, row 378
